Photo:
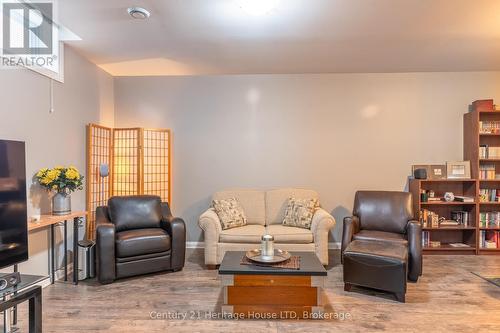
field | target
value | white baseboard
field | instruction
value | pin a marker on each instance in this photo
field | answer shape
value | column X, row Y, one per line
column 201, row 245
column 195, row 245
column 334, row 246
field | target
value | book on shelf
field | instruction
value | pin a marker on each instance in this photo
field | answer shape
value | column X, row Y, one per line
column 489, row 195
column 487, row 152
column 430, row 219
column 489, row 219
column 483, row 151
column 463, row 217
column 426, row 238
column 434, row 199
column 487, row 171
column 462, row 198
column 489, row 239
column 489, row 127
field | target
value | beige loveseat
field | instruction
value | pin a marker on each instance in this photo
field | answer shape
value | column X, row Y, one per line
column 265, row 211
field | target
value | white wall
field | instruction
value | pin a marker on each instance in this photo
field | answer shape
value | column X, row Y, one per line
column 335, row 133
column 53, row 139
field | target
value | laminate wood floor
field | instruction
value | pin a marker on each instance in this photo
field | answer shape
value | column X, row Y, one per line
column 447, row 298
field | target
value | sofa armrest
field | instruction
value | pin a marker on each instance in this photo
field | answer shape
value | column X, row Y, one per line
column 176, row 228
column 105, row 247
column 321, row 224
column 210, row 224
column 414, row 236
column 351, row 226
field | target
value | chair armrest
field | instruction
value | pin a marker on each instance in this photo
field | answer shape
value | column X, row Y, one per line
column 414, row 236
column 210, row 224
column 105, row 247
column 351, row 226
column 176, row 228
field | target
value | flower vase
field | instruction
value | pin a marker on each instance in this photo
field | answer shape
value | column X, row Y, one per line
column 61, row 204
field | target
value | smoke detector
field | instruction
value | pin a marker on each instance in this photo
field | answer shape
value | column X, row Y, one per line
column 138, row 13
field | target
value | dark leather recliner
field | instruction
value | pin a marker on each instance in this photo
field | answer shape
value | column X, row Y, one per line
column 137, row 235
column 386, row 216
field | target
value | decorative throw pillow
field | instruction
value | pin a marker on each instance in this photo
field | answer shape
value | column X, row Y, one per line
column 299, row 212
column 230, row 212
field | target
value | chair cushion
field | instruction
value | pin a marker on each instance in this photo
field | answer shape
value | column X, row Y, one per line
column 377, row 252
column 373, row 235
column 135, row 212
column 250, row 233
column 290, row 235
column 299, row 212
column 230, row 213
column 138, row 242
column 252, row 201
column 277, row 202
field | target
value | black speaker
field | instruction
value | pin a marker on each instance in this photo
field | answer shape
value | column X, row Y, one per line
column 420, row 173
column 9, row 280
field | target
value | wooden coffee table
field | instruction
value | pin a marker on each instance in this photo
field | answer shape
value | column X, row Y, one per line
column 256, row 292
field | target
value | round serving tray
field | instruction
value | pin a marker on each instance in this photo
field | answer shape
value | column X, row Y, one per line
column 279, row 256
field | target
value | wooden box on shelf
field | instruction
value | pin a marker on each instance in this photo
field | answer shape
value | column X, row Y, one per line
column 482, row 149
column 465, row 234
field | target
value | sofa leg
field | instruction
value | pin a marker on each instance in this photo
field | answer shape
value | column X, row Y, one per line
column 347, row 286
column 400, row 297
column 211, row 267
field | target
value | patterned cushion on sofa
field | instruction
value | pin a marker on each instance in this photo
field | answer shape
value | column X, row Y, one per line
column 230, row 213
column 299, row 212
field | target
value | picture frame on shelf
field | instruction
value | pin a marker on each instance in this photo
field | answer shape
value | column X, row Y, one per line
column 437, row 171
column 458, row 170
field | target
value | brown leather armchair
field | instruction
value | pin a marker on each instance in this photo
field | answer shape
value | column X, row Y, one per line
column 387, row 217
column 137, row 235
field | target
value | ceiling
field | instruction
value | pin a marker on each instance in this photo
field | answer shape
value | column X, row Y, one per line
column 198, row 37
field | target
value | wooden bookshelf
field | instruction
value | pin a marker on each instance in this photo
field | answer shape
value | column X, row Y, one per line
column 473, row 140
column 448, row 234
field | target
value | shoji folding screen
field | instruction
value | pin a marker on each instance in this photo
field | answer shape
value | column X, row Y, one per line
column 138, row 161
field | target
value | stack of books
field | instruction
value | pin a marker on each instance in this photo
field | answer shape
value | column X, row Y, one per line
column 487, row 172
column 486, row 152
column 489, row 195
column 489, row 127
column 489, row 219
column 489, row 239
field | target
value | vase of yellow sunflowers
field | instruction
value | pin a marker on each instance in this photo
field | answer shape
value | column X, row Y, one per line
column 63, row 181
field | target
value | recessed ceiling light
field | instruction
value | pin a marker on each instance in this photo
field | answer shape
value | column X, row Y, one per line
column 138, row 13
column 258, row 7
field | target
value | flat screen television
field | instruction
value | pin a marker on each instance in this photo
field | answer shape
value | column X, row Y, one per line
column 13, row 204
